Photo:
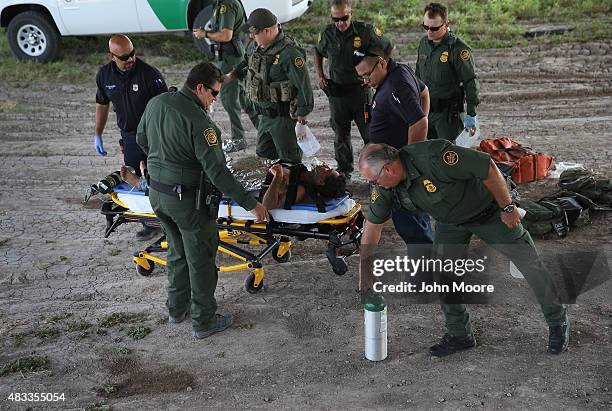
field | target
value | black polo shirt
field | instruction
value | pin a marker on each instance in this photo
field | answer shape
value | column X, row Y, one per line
column 396, row 106
column 129, row 91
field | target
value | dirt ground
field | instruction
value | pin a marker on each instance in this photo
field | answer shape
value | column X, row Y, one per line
column 298, row 343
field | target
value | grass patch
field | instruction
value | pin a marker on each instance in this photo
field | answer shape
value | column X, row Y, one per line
column 114, row 252
column 4, row 241
column 48, row 334
column 121, row 318
column 482, row 24
column 9, row 106
column 31, row 363
column 54, row 319
column 124, row 350
column 81, row 57
column 106, row 389
column 138, row 332
column 80, row 326
column 97, row 406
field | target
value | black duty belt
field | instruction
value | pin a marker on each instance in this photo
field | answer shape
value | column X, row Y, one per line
column 175, row 190
column 453, row 104
column 279, row 110
column 484, row 215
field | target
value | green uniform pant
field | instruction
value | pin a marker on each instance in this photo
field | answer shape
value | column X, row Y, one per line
column 192, row 240
column 451, row 241
column 232, row 98
column 343, row 111
column 276, row 139
column 444, row 125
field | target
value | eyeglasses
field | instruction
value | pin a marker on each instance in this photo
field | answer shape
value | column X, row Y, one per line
column 431, row 28
column 125, row 57
column 374, row 183
column 214, row 92
column 339, row 19
column 366, row 76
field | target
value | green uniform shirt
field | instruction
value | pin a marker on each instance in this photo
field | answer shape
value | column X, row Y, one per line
column 338, row 48
column 290, row 64
column 229, row 15
column 444, row 66
column 181, row 140
column 442, row 180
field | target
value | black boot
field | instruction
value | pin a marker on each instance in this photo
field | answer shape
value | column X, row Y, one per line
column 558, row 338
column 449, row 345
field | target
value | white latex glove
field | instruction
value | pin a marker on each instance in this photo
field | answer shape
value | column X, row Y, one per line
column 300, row 130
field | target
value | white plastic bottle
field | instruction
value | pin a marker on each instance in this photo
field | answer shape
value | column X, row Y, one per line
column 375, row 331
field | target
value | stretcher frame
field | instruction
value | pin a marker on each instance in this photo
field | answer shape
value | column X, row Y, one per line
column 275, row 238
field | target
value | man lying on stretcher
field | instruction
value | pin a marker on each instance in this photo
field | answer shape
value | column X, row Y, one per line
column 287, row 184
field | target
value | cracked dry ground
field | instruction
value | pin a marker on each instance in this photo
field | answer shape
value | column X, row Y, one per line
column 299, row 342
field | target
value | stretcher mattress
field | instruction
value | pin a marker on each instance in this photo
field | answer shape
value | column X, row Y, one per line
column 300, row 213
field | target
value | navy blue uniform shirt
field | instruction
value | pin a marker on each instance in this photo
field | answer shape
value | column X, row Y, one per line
column 396, row 106
column 129, row 91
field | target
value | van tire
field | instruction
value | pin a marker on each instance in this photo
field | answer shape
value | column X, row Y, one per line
column 31, row 36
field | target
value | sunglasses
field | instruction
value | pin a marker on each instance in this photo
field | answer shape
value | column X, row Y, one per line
column 214, row 92
column 125, row 57
column 339, row 19
column 431, row 28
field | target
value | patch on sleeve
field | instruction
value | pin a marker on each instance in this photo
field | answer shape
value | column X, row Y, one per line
column 210, row 135
column 357, row 42
column 299, row 62
column 374, row 195
column 222, row 9
column 429, row 186
column 444, row 57
column 276, row 59
column 450, row 157
column 378, row 32
column 464, row 55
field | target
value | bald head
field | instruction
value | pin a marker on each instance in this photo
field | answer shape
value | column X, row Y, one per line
column 118, row 43
column 121, row 51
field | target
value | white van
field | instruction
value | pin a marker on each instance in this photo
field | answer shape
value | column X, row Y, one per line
column 35, row 27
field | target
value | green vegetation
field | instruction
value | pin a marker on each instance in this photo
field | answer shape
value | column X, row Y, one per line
column 48, row 334
column 482, row 23
column 121, row 318
column 79, row 325
column 138, row 332
column 98, row 407
column 31, row 363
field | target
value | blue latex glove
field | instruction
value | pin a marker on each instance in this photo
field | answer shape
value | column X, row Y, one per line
column 469, row 122
column 99, row 145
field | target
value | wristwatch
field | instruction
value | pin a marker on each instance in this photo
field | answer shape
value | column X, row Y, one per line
column 509, row 208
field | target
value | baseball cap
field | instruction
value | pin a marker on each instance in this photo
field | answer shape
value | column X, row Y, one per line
column 259, row 19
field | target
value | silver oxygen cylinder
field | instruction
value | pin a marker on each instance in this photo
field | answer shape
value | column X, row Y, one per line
column 375, row 331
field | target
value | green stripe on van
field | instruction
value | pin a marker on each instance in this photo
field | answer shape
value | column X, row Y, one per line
column 171, row 13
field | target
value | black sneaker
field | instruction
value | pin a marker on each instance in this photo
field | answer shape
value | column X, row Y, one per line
column 449, row 345
column 217, row 324
column 558, row 338
column 148, row 233
column 231, row 146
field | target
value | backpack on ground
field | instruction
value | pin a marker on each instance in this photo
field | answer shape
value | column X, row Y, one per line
column 521, row 163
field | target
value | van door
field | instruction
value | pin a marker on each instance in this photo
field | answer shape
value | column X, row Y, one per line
column 84, row 17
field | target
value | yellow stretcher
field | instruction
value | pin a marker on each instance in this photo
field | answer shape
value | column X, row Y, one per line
column 341, row 227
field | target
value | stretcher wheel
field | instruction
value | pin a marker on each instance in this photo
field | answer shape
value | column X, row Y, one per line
column 338, row 264
column 145, row 272
column 281, row 259
column 249, row 284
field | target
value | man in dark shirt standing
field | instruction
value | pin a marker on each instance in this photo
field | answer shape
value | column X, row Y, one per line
column 398, row 117
column 129, row 83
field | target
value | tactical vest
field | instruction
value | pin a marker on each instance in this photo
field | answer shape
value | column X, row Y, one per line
column 258, row 84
